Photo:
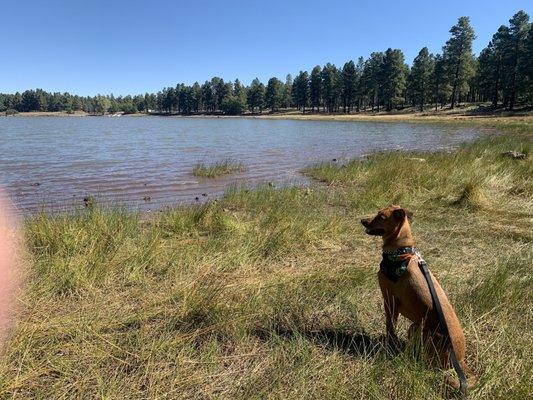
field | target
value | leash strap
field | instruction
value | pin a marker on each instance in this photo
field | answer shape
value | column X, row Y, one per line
column 443, row 327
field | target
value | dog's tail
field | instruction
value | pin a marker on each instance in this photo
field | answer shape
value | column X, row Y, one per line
column 471, row 378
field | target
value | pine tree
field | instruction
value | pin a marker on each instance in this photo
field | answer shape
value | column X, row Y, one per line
column 349, row 85
column 168, row 99
column 457, row 53
column 17, row 102
column 286, row 96
column 492, row 65
column 528, row 64
column 208, row 97
column 331, row 86
column 315, row 88
column 197, row 96
column 222, row 90
column 392, row 77
column 179, row 97
column 238, row 89
column 273, row 94
column 485, row 73
column 420, row 77
column 371, row 79
column 518, row 30
column 359, row 95
column 440, row 84
column 300, row 90
column 256, row 95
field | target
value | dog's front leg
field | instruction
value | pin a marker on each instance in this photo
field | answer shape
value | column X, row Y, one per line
column 391, row 317
column 391, row 305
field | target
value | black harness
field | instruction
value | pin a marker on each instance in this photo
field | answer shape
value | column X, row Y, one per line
column 394, row 263
column 393, row 266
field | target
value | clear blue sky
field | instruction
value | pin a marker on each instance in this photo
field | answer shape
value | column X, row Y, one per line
column 129, row 46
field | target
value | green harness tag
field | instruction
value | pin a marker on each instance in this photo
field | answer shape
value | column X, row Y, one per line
column 393, row 267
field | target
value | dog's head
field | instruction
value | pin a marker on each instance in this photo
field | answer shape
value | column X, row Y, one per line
column 386, row 221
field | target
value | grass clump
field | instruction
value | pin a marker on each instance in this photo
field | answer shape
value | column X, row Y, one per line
column 271, row 293
column 472, row 196
column 218, row 168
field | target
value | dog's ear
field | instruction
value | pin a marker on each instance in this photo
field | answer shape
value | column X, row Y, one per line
column 401, row 213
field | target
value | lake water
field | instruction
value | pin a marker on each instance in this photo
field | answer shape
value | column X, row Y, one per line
column 54, row 162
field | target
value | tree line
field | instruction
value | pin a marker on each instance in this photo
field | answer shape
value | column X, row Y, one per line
column 502, row 74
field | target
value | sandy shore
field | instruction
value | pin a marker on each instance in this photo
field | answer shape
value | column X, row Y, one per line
column 458, row 115
column 396, row 117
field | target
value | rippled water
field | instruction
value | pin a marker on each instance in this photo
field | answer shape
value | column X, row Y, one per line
column 54, row 162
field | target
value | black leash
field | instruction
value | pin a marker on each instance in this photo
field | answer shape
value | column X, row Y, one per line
column 443, row 327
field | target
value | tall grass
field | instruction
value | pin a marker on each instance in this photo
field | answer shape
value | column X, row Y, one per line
column 272, row 293
column 218, row 168
column 472, row 176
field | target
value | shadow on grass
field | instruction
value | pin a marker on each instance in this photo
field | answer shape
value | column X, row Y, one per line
column 355, row 343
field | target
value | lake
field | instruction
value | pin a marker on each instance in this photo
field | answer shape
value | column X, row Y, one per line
column 54, row 162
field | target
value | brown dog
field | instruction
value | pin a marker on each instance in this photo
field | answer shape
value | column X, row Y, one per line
column 405, row 290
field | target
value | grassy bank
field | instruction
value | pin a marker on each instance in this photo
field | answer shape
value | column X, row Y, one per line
column 273, row 294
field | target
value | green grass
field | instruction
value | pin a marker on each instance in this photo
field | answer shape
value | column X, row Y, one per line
column 216, row 169
column 272, row 293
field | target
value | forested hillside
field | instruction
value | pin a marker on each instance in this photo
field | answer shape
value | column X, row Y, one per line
column 502, row 74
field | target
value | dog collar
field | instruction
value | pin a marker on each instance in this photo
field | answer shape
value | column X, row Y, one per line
column 394, row 263
column 400, row 251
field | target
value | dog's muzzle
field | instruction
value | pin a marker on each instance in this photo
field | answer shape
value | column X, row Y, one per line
column 372, row 231
column 375, row 231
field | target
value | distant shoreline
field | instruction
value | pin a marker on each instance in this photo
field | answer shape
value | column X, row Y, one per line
column 474, row 115
column 47, row 114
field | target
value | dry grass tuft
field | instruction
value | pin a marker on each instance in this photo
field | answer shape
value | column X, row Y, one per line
column 472, row 197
